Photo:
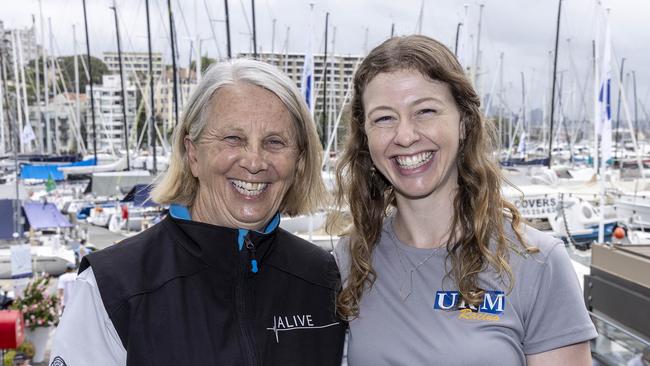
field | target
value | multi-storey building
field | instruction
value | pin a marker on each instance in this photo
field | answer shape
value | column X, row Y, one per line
column 27, row 39
column 340, row 70
column 108, row 113
column 164, row 96
column 134, row 65
column 61, row 130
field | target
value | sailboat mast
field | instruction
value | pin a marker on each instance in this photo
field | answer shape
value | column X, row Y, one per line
column 48, row 125
column 286, row 50
column 46, row 95
column 418, row 26
column 332, row 99
column 76, row 78
column 119, row 59
column 325, row 136
column 501, row 102
column 460, row 24
column 171, row 33
column 15, row 202
column 39, row 127
column 636, row 115
column 90, row 81
column 524, row 134
column 2, row 112
column 618, row 113
column 19, row 112
column 273, row 36
column 214, row 34
column 557, row 39
column 21, row 62
column 254, row 30
column 152, row 121
column 225, row 2
column 477, row 59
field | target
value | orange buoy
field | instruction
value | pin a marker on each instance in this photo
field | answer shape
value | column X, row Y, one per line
column 619, row 233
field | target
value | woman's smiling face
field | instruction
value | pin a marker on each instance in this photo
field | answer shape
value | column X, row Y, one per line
column 414, row 129
column 245, row 158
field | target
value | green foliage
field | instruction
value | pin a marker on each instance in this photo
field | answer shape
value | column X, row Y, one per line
column 39, row 308
column 66, row 64
column 205, row 63
column 67, row 69
column 9, row 358
column 26, row 348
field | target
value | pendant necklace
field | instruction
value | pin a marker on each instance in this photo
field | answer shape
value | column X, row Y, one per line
column 406, row 285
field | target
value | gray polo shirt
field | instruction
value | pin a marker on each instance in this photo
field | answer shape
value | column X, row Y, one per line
column 545, row 310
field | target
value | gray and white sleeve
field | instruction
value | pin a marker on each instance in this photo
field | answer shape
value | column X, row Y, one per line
column 86, row 335
column 557, row 315
column 342, row 256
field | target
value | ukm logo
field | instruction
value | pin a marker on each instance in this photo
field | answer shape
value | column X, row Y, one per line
column 494, row 302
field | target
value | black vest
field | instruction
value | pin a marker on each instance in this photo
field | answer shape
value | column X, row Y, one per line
column 182, row 293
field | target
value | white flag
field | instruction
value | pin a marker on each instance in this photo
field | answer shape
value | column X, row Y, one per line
column 604, row 121
column 27, row 135
column 522, row 145
column 307, row 83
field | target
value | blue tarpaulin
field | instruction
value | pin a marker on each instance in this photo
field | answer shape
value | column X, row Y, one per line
column 7, row 223
column 45, row 216
column 43, row 172
column 139, row 195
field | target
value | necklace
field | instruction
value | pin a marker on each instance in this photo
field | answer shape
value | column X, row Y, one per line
column 406, row 286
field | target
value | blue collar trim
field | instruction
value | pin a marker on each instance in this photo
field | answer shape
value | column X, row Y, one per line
column 181, row 212
column 275, row 222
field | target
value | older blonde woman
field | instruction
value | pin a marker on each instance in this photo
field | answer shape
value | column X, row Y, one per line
column 217, row 282
column 438, row 269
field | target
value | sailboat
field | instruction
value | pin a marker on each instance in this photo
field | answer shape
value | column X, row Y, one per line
column 47, row 253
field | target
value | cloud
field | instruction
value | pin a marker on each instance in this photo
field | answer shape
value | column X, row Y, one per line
column 523, row 30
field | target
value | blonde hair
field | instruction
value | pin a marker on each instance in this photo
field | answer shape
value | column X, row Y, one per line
column 480, row 210
column 178, row 185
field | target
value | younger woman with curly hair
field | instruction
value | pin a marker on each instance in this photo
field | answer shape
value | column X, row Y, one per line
column 438, row 268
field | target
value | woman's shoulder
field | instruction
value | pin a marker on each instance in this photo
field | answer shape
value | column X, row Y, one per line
column 139, row 264
column 305, row 260
column 130, row 251
column 541, row 244
column 546, row 256
column 342, row 256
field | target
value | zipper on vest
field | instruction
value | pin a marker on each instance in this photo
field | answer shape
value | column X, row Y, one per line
column 250, row 247
column 248, row 343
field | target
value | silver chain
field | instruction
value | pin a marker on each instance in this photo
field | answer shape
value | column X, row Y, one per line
column 404, row 291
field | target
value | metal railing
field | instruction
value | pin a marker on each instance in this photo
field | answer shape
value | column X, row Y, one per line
column 615, row 344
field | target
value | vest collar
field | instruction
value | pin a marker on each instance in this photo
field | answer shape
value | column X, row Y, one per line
column 212, row 242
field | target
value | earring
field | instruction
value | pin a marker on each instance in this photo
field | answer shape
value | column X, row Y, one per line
column 373, row 183
column 461, row 151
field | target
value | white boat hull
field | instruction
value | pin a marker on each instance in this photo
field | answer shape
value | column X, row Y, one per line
column 44, row 259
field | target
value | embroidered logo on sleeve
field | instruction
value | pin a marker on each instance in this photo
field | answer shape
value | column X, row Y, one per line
column 58, row 361
column 494, row 303
column 295, row 322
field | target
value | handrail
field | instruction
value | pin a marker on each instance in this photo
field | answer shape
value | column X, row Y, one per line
column 618, row 327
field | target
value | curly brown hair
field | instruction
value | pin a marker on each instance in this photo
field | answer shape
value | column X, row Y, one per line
column 480, row 211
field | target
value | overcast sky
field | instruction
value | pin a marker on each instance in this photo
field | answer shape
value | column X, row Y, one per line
column 523, row 30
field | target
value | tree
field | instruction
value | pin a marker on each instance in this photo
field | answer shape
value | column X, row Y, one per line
column 67, row 69
column 66, row 64
column 205, row 63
